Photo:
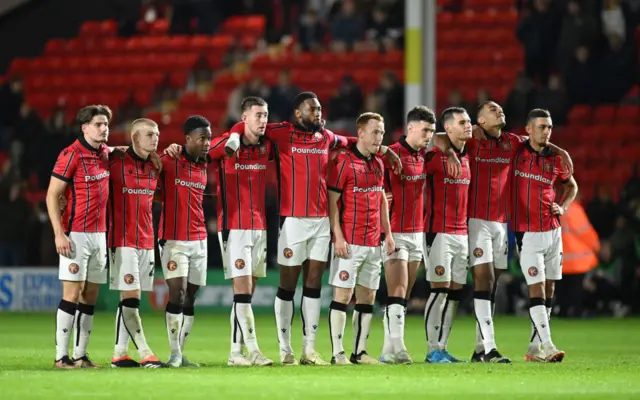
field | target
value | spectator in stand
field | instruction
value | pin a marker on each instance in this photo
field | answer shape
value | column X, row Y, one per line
column 311, row 31
column 613, row 19
column 553, row 98
column 11, row 99
column 456, row 99
column 519, row 101
column 255, row 87
column 391, row 97
column 538, row 33
column 345, row 107
column 348, row 26
column 378, row 27
column 616, row 70
column 15, row 217
column 152, row 11
column 578, row 28
column 579, row 75
column 281, row 97
column 602, row 212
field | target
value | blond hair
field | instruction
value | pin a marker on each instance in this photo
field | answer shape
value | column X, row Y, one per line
column 364, row 118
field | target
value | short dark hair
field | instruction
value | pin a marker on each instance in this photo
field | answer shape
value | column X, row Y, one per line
column 86, row 114
column 421, row 113
column 537, row 113
column 302, row 97
column 482, row 105
column 251, row 101
column 195, row 122
column 449, row 112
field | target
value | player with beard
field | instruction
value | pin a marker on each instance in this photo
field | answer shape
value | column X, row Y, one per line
column 536, row 224
column 303, row 158
column 81, row 173
column 490, row 159
column 242, row 226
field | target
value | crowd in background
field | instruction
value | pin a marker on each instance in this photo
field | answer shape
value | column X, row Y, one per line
column 576, row 52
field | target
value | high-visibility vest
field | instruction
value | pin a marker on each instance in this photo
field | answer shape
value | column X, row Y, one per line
column 580, row 241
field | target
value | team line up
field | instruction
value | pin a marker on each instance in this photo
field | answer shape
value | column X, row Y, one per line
column 444, row 199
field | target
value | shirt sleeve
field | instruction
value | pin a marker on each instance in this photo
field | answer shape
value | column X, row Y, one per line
column 216, row 151
column 338, row 173
column 563, row 172
column 339, row 141
column 430, row 162
column 66, row 165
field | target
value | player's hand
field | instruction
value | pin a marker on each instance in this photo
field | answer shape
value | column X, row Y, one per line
column 389, row 244
column 233, row 144
column 454, row 168
column 173, row 151
column 63, row 245
column 323, row 123
column 119, row 151
column 393, row 160
column 478, row 133
column 389, row 197
column 556, row 209
column 63, row 202
column 566, row 161
column 341, row 248
column 156, row 161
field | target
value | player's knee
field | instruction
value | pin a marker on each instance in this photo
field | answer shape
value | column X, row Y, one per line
column 129, row 294
column 550, row 289
column 365, row 295
column 288, row 280
column 536, row 290
column 342, row 295
column 89, row 293
column 397, row 290
column 242, row 285
column 177, row 296
column 189, row 300
column 71, row 292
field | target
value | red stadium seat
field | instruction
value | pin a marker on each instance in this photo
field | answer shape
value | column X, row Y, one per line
column 580, row 115
column 628, row 113
column 605, row 114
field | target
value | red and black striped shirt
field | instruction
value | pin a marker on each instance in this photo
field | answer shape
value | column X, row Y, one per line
column 242, row 184
column 133, row 184
column 183, row 182
column 490, row 160
column 302, row 162
column 447, row 197
column 360, row 180
column 86, row 171
column 532, row 189
column 406, row 210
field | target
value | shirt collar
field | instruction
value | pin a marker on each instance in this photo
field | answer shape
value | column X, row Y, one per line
column 195, row 160
column 403, row 143
column 304, row 129
column 86, row 145
column 358, row 154
column 135, row 156
column 545, row 152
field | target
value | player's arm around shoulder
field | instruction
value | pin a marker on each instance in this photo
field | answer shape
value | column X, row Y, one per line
column 339, row 172
column 217, row 147
column 569, row 189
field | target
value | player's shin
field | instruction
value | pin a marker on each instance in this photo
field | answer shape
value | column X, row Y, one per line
column 64, row 323
column 236, row 333
column 448, row 315
column 540, row 319
column 188, row 316
column 246, row 321
column 433, row 317
column 83, row 326
column 173, row 318
column 395, row 316
column 122, row 335
column 283, row 308
column 484, row 321
column 310, row 314
column 337, row 323
column 362, row 316
column 133, row 324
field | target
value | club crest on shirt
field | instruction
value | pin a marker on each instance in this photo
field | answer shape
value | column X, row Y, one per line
column 317, row 135
column 172, row 265
column 128, row 279
column 548, row 168
column 478, row 252
column 239, row 263
column 343, row 275
column 263, row 150
column 439, row 270
column 74, row 268
column 533, row 271
column 287, row 253
column 506, row 146
column 152, row 174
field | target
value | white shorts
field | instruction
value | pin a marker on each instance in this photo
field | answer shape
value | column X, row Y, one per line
column 88, row 259
column 244, row 254
column 302, row 239
column 131, row 269
column 448, row 257
column 488, row 242
column 540, row 255
column 182, row 259
column 409, row 247
column 363, row 267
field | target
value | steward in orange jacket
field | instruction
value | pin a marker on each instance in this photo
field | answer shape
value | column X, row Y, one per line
column 580, row 242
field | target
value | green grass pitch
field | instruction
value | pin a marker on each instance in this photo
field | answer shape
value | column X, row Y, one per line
column 603, row 361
